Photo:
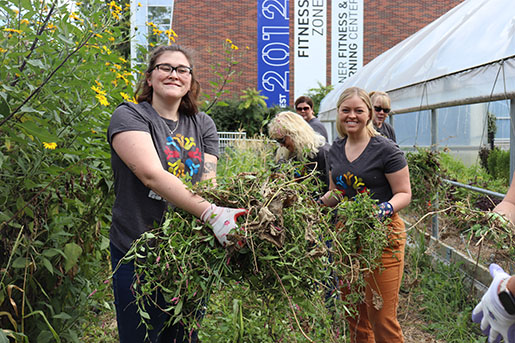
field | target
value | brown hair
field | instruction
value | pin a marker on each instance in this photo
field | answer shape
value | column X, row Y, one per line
column 363, row 95
column 305, row 99
column 144, row 92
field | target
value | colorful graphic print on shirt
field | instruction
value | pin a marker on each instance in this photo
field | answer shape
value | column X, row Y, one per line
column 183, row 156
column 349, row 185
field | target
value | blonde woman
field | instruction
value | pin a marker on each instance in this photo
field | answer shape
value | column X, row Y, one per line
column 300, row 142
column 382, row 107
column 362, row 160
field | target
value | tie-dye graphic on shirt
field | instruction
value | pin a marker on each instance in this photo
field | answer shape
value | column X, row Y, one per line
column 183, row 156
column 349, row 185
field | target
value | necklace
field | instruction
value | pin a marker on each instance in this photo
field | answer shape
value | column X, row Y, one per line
column 176, row 126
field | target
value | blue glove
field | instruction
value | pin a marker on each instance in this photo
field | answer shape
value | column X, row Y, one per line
column 385, row 210
column 495, row 321
column 222, row 220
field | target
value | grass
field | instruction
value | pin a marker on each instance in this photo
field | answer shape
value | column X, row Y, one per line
column 443, row 297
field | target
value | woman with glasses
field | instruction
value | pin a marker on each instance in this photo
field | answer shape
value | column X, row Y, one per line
column 381, row 104
column 155, row 145
column 304, row 107
column 360, row 161
column 299, row 142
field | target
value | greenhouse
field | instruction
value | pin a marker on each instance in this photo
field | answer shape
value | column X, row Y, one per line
column 444, row 79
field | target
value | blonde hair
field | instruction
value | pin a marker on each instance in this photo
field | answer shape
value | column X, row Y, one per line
column 363, row 95
column 385, row 98
column 306, row 141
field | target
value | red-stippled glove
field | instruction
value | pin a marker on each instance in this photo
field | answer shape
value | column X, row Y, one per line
column 222, row 220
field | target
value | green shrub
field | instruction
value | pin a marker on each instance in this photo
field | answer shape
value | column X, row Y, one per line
column 498, row 163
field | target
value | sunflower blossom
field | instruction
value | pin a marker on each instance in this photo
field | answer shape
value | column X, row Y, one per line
column 50, row 146
column 102, row 99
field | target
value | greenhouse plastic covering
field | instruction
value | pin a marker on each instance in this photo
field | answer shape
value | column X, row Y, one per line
column 468, row 53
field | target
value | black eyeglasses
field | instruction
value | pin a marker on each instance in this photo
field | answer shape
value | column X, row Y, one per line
column 168, row 69
column 379, row 109
column 300, row 109
column 280, row 140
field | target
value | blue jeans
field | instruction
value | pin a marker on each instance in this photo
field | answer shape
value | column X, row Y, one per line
column 130, row 328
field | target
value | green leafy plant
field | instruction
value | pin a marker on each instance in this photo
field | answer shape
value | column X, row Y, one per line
column 286, row 255
column 224, row 73
column 318, row 93
column 61, row 77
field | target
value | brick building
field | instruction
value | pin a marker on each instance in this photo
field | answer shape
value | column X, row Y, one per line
column 206, row 25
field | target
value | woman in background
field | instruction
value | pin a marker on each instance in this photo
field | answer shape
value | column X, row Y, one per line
column 300, row 142
column 382, row 107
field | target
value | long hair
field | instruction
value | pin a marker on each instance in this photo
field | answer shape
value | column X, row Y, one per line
column 363, row 95
column 144, row 92
column 306, row 141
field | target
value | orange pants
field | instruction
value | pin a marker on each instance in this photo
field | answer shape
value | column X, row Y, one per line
column 382, row 326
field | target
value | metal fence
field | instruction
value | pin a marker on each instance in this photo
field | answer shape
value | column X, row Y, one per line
column 228, row 138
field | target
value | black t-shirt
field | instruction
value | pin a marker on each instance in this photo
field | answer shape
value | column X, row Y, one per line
column 387, row 131
column 317, row 125
column 367, row 172
column 137, row 208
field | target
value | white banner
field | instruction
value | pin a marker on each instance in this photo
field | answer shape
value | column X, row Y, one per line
column 346, row 39
column 310, row 41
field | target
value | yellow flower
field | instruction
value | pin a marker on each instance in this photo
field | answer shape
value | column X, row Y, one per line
column 12, row 30
column 234, row 47
column 51, row 27
column 228, row 41
column 24, row 21
column 117, row 66
column 50, row 146
column 78, row 3
column 149, row 23
column 106, row 50
column 156, row 31
column 111, row 39
column 107, row 64
column 73, row 15
column 2, row 50
column 122, row 59
column 102, row 99
column 139, row 4
column 98, row 35
column 98, row 90
column 126, row 97
column 98, row 83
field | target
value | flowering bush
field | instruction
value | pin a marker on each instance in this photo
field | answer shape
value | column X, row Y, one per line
column 61, row 76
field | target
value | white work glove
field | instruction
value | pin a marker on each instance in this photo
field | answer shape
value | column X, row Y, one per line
column 495, row 321
column 222, row 220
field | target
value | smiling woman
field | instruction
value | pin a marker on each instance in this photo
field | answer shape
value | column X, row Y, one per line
column 362, row 161
column 155, row 145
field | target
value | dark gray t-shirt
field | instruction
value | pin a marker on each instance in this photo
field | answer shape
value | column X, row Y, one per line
column 317, row 125
column 366, row 173
column 137, row 208
column 387, row 131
